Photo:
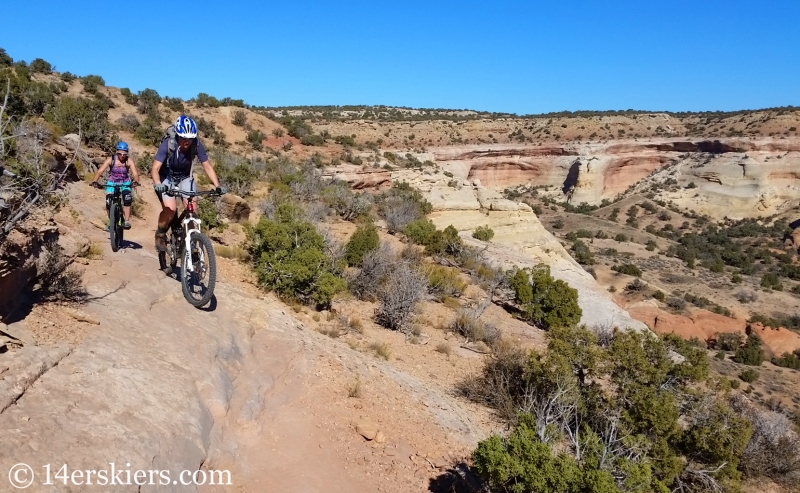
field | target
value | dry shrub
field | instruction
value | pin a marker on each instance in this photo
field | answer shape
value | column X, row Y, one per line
column 501, row 385
column 381, row 349
column 746, row 296
column 355, row 389
column 444, row 282
column 332, row 332
column 138, row 207
column 466, row 325
column 398, row 213
column 774, row 447
column 375, row 268
column 469, row 326
column 356, row 325
column 403, row 289
column 451, row 303
column 92, row 251
column 231, row 252
column 412, row 253
column 56, row 279
column 444, row 348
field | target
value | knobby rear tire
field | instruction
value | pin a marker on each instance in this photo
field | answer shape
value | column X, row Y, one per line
column 171, row 254
column 189, row 279
column 114, row 231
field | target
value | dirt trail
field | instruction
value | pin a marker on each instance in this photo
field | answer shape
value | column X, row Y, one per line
column 242, row 386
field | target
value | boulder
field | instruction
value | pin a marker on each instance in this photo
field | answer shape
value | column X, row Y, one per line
column 235, row 208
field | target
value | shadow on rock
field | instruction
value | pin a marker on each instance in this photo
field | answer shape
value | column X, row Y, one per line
column 131, row 244
column 458, row 479
column 211, row 306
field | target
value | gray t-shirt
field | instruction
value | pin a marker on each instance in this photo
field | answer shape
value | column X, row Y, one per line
column 179, row 163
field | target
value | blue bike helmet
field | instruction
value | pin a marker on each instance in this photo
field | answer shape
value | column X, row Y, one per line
column 185, row 127
column 122, row 146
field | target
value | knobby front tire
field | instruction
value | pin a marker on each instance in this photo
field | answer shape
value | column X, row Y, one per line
column 198, row 286
column 114, row 228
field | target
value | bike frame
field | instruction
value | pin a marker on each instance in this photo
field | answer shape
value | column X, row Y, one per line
column 189, row 217
column 189, row 221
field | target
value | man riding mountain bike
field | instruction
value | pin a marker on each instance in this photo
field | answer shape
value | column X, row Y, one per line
column 172, row 166
column 121, row 168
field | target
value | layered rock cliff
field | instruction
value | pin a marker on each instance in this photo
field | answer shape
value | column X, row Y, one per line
column 731, row 177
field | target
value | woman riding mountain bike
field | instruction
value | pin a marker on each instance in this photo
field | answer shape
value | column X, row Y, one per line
column 172, row 167
column 122, row 167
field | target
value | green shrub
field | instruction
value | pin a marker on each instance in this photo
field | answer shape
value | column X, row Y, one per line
column 239, row 118
column 89, row 116
column 295, row 127
column 522, row 463
column 483, row 233
column 345, row 140
column 239, row 179
column 91, row 83
column 363, row 240
column 175, row 104
column 582, row 254
column 288, row 256
column 255, row 138
column 729, row 341
column 130, row 97
column 735, row 384
column 620, row 237
column 420, row 231
column 655, row 429
column 545, row 301
column 313, row 140
column 40, row 66
column 208, row 211
column 67, row 77
column 205, row 100
column 5, row 59
column 628, row 269
column 149, row 132
column 788, row 360
column 659, row 295
column 749, row 375
column 751, row 353
column 770, row 280
column 558, row 223
column 148, row 101
column 651, row 245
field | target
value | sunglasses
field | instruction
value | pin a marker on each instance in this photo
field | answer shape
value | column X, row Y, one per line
column 122, row 154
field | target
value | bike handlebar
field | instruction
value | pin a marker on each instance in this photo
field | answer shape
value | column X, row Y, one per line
column 172, row 192
column 115, row 185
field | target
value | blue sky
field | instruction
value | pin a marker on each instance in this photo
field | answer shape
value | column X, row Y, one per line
column 513, row 56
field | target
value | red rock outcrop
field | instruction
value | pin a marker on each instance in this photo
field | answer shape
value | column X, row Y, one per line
column 700, row 324
column 778, row 341
column 704, row 325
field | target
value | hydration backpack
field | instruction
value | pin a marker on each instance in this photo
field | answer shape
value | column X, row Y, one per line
column 169, row 134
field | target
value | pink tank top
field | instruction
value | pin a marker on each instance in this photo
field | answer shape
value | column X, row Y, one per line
column 118, row 173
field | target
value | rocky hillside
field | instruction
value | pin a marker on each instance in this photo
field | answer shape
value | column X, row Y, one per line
column 396, row 286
